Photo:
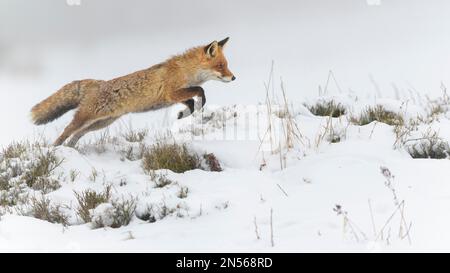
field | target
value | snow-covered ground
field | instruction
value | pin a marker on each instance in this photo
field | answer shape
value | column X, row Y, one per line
column 357, row 193
column 325, row 185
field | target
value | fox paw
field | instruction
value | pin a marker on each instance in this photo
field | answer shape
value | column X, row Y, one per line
column 183, row 114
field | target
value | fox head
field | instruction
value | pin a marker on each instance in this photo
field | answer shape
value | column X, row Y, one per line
column 214, row 64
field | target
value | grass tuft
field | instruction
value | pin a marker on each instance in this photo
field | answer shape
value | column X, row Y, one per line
column 380, row 114
column 327, row 109
column 172, row 156
column 135, row 135
column 89, row 200
column 44, row 210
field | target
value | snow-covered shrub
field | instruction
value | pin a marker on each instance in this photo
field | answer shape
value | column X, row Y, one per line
column 27, row 166
column 43, row 209
column 89, row 200
column 115, row 214
column 38, row 174
column 13, row 194
column 183, row 193
column 421, row 140
column 432, row 147
column 327, row 108
column 212, row 163
column 161, row 180
column 102, row 215
column 158, row 211
column 148, row 214
column 377, row 113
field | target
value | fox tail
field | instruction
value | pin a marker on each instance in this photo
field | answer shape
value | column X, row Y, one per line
column 65, row 99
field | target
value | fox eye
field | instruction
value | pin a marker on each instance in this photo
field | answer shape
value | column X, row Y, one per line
column 220, row 65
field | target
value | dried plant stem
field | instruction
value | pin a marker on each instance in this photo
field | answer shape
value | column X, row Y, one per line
column 271, row 228
column 256, row 229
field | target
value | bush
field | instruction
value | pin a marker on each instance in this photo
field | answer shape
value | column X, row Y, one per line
column 177, row 158
column 89, row 200
column 13, row 195
column 23, row 166
column 155, row 212
column 114, row 214
column 160, row 180
column 172, row 156
column 13, row 150
column 212, row 162
column 329, row 108
column 38, row 175
column 429, row 148
column 380, row 114
column 44, row 210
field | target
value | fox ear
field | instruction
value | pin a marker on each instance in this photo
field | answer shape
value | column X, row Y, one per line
column 211, row 49
column 223, row 42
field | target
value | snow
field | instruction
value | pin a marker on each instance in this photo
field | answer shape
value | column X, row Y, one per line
column 223, row 210
column 368, row 64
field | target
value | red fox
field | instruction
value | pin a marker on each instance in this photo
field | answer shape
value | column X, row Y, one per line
column 100, row 103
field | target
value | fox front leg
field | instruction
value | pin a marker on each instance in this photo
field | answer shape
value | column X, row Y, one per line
column 190, row 109
column 185, row 96
column 202, row 97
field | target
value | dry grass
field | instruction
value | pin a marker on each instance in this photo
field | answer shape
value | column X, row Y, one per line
column 44, row 210
column 135, row 135
column 39, row 175
column 159, row 179
column 89, row 200
column 133, row 152
column 380, row 114
column 327, row 109
column 14, row 150
column 170, row 155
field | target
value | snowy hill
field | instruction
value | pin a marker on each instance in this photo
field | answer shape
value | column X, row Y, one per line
column 338, row 173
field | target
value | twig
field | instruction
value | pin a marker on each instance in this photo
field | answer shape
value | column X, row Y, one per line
column 256, row 228
column 285, row 193
column 271, row 228
column 372, row 217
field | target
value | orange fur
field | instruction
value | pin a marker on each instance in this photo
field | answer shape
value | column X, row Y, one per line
column 99, row 103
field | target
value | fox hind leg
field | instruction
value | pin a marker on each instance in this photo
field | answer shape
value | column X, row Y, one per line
column 96, row 125
column 73, row 126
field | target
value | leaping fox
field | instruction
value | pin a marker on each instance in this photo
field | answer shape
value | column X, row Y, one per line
column 100, row 103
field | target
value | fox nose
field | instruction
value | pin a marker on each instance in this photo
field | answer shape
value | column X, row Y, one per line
column 233, row 78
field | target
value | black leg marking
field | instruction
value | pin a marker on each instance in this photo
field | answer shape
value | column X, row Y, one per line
column 190, row 109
